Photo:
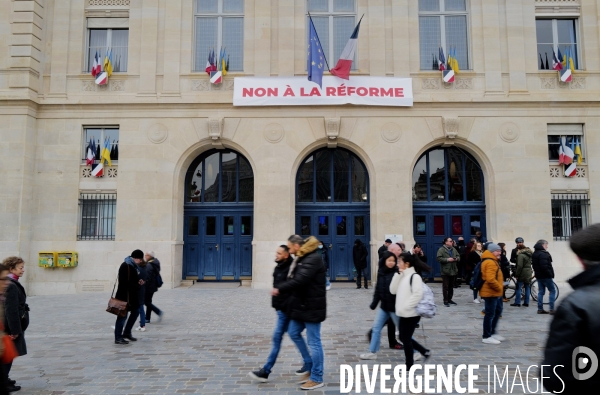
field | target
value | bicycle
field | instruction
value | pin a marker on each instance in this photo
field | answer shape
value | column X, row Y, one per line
column 511, row 288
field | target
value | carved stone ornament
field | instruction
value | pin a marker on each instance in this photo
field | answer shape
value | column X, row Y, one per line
column 332, row 128
column 109, row 2
column 430, row 83
column 215, row 129
column 391, row 132
column 450, row 127
column 117, row 86
column 273, row 133
column 157, row 133
column 509, row 132
column 200, row 85
column 548, row 82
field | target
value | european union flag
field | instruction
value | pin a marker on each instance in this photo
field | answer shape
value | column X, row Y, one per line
column 316, row 58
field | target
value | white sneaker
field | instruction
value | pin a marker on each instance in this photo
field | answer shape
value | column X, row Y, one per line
column 417, row 357
column 500, row 338
column 368, row 355
column 476, row 301
column 328, row 288
column 490, row 340
column 141, row 328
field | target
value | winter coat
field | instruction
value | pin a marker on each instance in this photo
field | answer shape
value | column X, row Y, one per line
column 382, row 289
column 16, row 314
column 491, row 274
column 280, row 274
column 541, row 261
column 324, row 256
column 407, row 296
column 448, row 268
column 306, row 285
column 128, row 288
column 472, row 260
column 381, row 250
column 576, row 323
column 504, row 266
column 153, row 270
column 513, row 255
column 142, row 275
column 359, row 254
column 523, row 271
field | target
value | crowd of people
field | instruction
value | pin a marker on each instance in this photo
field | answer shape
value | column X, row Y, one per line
column 301, row 279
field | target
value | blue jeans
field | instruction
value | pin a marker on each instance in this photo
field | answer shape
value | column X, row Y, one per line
column 475, row 293
column 493, row 311
column 283, row 322
column 142, row 316
column 380, row 319
column 327, row 282
column 313, row 335
column 518, row 292
column 544, row 283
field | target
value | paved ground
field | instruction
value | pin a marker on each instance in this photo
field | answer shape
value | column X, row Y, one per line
column 212, row 337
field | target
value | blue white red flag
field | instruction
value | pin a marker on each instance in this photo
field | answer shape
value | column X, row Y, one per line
column 344, row 64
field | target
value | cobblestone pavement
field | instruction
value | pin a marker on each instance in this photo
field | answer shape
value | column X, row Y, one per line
column 211, row 337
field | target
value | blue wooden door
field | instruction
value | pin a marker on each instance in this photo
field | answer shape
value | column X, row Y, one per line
column 433, row 225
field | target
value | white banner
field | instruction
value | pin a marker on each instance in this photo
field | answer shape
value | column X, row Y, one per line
column 298, row 91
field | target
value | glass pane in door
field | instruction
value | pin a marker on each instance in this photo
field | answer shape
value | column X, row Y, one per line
column 323, row 225
column 438, row 225
column 246, row 225
column 228, row 226
column 475, row 224
column 437, row 175
column 420, row 227
column 211, row 226
column 193, row 226
column 341, row 225
column 359, row 225
column 457, row 225
column 305, row 226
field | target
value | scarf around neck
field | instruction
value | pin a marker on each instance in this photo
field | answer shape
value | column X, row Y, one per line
column 13, row 276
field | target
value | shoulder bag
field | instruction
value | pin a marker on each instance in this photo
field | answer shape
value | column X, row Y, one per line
column 116, row 306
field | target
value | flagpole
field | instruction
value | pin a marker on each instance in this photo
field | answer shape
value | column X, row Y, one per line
column 317, row 34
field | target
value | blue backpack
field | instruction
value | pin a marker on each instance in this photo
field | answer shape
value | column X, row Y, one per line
column 477, row 280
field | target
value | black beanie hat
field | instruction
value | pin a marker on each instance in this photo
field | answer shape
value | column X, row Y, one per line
column 137, row 254
column 586, row 243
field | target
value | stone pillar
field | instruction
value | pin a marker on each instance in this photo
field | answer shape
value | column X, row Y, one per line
column 60, row 48
column 516, row 46
column 172, row 51
column 491, row 46
column 376, row 34
column 147, row 85
column 401, row 37
column 262, row 38
column 286, row 36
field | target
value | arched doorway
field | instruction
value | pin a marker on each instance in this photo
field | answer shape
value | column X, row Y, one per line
column 332, row 203
column 218, row 217
column 448, row 199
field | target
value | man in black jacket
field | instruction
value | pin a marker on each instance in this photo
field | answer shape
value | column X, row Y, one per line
column 359, row 254
column 384, row 247
column 279, row 303
column 541, row 261
column 127, row 291
column 573, row 345
column 307, row 305
column 153, row 269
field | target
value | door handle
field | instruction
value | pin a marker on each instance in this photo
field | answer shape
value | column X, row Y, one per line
column 330, row 246
column 217, row 247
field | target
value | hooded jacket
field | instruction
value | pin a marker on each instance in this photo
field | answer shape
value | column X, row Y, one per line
column 523, row 271
column 491, row 274
column 359, row 254
column 576, row 323
column 541, row 261
column 127, row 290
column 306, row 285
column 382, row 288
column 280, row 274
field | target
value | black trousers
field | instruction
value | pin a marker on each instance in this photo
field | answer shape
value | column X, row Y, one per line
column 407, row 329
column 121, row 328
column 361, row 273
column 448, row 288
column 149, row 306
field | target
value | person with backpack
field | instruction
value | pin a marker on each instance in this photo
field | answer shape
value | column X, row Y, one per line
column 152, row 286
column 473, row 259
column 448, row 257
column 387, row 309
column 523, row 274
column 490, row 283
column 407, row 285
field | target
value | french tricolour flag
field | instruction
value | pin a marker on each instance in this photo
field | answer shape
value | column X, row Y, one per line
column 448, row 76
column 102, row 78
column 216, row 77
column 344, row 64
column 98, row 170
column 565, row 75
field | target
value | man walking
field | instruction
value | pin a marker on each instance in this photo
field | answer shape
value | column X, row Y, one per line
column 491, row 292
column 307, row 305
column 577, row 323
column 127, row 291
column 384, row 247
column 448, row 256
column 279, row 303
column 541, row 260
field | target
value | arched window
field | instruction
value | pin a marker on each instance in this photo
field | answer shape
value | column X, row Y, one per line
column 220, row 177
column 332, row 176
column 447, row 175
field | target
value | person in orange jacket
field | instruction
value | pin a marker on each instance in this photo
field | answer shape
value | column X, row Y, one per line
column 491, row 292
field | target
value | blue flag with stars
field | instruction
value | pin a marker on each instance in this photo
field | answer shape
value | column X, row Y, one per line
column 316, row 58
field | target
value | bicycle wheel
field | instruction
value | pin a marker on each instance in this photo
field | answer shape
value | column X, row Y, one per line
column 509, row 290
column 534, row 291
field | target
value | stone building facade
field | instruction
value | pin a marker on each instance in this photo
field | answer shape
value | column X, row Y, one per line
column 495, row 128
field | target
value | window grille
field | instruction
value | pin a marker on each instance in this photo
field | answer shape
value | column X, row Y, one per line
column 98, row 215
column 570, row 212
